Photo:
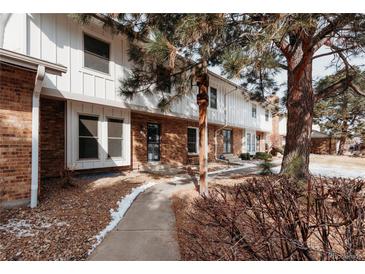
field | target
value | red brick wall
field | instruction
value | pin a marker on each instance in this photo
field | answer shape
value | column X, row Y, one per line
column 237, row 141
column 16, row 90
column 275, row 137
column 52, row 137
column 323, row 146
column 174, row 139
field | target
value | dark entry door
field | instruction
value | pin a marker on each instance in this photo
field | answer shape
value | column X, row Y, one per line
column 153, row 142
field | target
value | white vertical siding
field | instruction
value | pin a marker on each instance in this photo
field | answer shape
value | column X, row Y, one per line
column 57, row 38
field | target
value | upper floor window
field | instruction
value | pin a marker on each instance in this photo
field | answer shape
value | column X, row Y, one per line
column 254, row 111
column 96, row 54
column 115, row 138
column 213, row 98
column 88, row 137
column 267, row 115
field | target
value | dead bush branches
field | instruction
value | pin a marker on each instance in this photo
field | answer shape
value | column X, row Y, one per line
column 272, row 218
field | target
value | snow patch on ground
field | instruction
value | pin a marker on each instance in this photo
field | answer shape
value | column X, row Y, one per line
column 331, row 171
column 23, row 228
column 246, row 165
column 117, row 215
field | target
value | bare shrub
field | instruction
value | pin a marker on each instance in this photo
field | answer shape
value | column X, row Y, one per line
column 275, row 218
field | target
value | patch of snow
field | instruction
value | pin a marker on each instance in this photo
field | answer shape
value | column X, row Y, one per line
column 117, row 215
column 246, row 165
column 330, row 171
column 23, row 228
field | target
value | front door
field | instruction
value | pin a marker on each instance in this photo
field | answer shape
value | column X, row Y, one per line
column 153, row 142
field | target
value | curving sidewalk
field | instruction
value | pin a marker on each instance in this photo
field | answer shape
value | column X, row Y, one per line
column 147, row 231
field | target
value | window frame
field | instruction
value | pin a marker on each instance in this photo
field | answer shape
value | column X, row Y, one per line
column 267, row 115
column 108, row 157
column 254, row 107
column 97, row 138
column 197, row 141
column 210, row 98
column 224, row 141
column 83, row 53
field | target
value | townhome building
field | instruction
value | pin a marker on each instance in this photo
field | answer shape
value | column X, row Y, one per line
column 60, row 108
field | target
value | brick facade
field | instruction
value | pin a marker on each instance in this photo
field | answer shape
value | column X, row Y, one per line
column 173, row 146
column 52, row 137
column 323, row 145
column 16, row 92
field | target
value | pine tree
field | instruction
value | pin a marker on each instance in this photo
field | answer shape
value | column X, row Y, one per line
column 173, row 51
column 343, row 114
column 291, row 42
column 247, row 46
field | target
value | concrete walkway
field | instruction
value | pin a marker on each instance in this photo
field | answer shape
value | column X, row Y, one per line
column 147, row 231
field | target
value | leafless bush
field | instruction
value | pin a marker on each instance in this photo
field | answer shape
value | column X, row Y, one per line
column 275, row 218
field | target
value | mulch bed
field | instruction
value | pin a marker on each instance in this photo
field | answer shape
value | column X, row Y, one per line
column 66, row 221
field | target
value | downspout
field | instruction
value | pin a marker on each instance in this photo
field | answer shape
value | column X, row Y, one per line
column 225, row 125
column 35, row 134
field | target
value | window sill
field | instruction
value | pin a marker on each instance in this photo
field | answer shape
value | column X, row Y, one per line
column 193, row 153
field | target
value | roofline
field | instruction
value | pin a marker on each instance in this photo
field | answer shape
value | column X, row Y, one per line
column 22, row 60
column 245, row 92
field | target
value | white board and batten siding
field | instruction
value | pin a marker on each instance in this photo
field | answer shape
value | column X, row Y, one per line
column 57, row 38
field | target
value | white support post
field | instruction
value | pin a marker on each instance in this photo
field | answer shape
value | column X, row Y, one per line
column 35, row 135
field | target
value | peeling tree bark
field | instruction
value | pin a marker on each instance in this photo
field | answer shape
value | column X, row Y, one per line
column 203, row 100
column 300, row 105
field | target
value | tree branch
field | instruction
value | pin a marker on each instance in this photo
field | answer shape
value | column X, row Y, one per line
column 339, row 21
column 342, row 84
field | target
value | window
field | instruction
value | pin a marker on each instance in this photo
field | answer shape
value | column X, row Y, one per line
column 227, row 141
column 248, row 142
column 88, row 137
column 163, row 81
column 153, row 142
column 96, row 54
column 213, row 98
column 192, row 140
column 267, row 114
column 254, row 111
column 251, row 142
column 115, row 138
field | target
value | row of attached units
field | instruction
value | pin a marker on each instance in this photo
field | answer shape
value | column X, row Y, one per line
column 60, row 108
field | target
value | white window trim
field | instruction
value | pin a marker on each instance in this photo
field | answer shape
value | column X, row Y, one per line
column 74, row 108
column 78, row 138
column 90, row 70
column 210, row 96
column 253, row 106
column 268, row 116
column 107, row 137
column 197, row 142
column 231, row 130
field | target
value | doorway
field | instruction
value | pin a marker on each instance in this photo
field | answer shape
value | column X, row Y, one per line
column 153, row 142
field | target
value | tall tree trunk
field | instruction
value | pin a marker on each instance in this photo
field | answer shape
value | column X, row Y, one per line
column 203, row 100
column 300, row 106
column 341, row 147
column 344, row 126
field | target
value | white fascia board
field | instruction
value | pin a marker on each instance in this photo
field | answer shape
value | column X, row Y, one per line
column 29, row 62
